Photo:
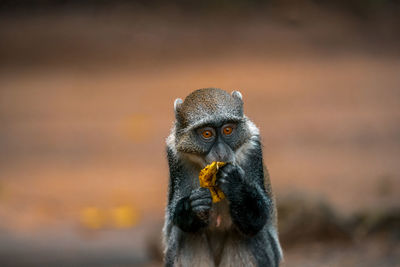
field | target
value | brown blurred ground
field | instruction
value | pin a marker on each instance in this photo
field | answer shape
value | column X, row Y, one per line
column 86, row 104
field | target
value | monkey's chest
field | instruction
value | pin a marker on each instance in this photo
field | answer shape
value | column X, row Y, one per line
column 220, row 218
column 219, row 228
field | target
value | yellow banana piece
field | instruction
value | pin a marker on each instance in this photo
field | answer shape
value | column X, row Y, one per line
column 208, row 177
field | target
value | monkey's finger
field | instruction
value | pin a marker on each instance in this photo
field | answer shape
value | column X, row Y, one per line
column 201, row 202
column 201, row 208
column 222, row 175
column 200, row 190
column 200, row 193
column 228, row 168
column 222, row 181
column 232, row 173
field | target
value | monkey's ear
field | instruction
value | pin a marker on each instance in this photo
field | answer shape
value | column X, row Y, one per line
column 177, row 106
column 237, row 95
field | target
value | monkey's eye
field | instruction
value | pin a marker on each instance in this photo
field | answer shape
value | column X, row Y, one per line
column 207, row 134
column 227, row 130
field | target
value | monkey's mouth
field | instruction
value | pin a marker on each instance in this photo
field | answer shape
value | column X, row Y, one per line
column 204, row 160
column 210, row 159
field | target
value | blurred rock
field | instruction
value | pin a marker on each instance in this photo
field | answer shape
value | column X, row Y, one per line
column 378, row 222
column 303, row 219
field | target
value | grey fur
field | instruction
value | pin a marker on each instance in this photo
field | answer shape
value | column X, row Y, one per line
column 177, row 105
column 237, row 94
column 220, row 242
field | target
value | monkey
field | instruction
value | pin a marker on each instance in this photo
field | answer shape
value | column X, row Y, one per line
column 240, row 230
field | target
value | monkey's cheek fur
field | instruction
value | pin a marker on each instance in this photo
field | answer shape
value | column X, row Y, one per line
column 208, row 178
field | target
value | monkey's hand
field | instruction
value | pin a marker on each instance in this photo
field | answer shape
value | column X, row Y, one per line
column 248, row 204
column 230, row 179
column 192, row 212
column 200, row 201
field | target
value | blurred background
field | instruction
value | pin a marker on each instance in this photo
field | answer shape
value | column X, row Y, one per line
column 86, row 102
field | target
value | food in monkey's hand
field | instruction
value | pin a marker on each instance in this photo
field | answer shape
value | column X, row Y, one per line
column 208, row 177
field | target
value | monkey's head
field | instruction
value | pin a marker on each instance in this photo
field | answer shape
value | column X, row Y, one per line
column 210, row 126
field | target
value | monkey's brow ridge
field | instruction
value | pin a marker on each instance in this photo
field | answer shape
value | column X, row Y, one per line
column 211, row 122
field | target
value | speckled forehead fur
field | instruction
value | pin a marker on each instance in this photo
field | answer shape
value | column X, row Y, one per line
column 207, row 102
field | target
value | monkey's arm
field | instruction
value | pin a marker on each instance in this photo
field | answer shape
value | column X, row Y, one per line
column 250, row 205
column 187, row 208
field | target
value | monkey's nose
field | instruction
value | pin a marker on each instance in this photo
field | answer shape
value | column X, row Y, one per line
column 220, row 152
column 222, row 156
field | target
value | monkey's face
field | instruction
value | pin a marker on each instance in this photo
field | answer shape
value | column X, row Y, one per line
column 214, row 142
column 210, row 125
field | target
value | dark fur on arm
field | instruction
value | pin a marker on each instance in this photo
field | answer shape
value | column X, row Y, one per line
column 250, row 206
column 249, row 209
column 179, row 202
